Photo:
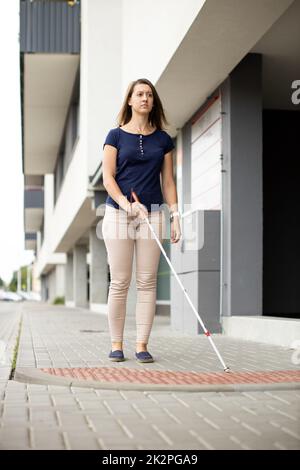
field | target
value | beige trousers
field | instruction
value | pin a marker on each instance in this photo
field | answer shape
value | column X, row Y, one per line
column 122, row 235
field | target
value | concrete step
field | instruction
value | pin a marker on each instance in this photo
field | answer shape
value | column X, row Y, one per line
column 271, row 330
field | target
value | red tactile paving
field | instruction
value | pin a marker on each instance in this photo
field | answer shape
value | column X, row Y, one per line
column 113, row 374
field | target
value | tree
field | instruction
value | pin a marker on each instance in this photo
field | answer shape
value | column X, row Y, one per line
column 13, row 285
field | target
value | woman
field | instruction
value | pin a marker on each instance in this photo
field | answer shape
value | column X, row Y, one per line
column 135, row 154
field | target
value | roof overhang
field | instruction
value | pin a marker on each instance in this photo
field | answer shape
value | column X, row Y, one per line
column 33, row 208
column 48, row 86
column 30, row 241
column 33, row 219
column 218, row 39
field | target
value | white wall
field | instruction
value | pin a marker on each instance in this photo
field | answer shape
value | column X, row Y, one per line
column 72, row 194
column 48, row 202
column 45, row 255
column 100, row 101
column 205, row 159
column 56, row 282
column 100, row 69
column 151, row 33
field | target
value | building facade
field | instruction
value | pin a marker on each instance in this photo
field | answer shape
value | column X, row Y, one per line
column 225, row 72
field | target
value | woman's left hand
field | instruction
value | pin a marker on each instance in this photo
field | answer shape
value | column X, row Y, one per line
column 175, row 230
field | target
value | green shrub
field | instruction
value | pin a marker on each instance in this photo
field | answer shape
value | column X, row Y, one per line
column 59, row 300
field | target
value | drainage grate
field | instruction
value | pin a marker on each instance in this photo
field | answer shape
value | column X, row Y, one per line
column 91, row 331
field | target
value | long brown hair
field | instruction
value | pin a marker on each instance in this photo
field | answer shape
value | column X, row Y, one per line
column 156, row 117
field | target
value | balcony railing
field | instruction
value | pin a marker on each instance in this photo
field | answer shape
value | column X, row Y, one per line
column 30, row 236
column 33, row 198
column 50, row 26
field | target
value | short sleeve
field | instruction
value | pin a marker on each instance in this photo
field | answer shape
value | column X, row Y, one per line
column 112, row 138
column 169, row 145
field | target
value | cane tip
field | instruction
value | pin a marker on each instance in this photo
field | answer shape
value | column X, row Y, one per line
column 227, row 369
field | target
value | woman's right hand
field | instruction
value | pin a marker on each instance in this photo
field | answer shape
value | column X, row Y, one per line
column 138, row 210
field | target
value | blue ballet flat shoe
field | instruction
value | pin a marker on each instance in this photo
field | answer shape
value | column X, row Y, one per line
column 144, row 356
column 116, row 356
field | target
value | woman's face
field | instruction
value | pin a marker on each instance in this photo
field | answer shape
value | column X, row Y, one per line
column 141, row 99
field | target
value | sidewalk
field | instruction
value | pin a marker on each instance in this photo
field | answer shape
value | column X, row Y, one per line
column 72, row 349
column 66, row 394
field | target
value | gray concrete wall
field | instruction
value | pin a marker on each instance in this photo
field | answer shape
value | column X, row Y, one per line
column 199, row 272
column 44, row 288
column 80, row 276
column 51, row 282
column 69, row 291
column 55, row 281
column 198, row 269
column 242, row 188
column 60, row 274
column 98, row 269
column 186, row 164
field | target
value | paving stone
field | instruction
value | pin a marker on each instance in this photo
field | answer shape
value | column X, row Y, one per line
column 60, row 417
column 76, row 441
column 14, row 437
column 48, row 439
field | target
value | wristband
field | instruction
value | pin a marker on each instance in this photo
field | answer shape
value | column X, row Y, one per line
column 173, row 214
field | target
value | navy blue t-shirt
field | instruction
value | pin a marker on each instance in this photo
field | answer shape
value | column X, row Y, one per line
column 139, row 161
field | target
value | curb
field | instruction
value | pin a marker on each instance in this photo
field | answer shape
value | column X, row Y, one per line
column 35, row 376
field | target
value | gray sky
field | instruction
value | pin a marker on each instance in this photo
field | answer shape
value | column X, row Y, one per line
column 12, row 252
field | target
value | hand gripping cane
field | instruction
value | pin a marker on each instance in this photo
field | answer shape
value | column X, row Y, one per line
column 206, row 332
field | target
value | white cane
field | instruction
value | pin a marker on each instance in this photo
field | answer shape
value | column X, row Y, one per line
column 206, row 332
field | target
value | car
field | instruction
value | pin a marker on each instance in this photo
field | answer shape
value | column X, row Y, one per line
column 10, row 296
column 29, row 295
column 34, row 296
column 23, row 294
